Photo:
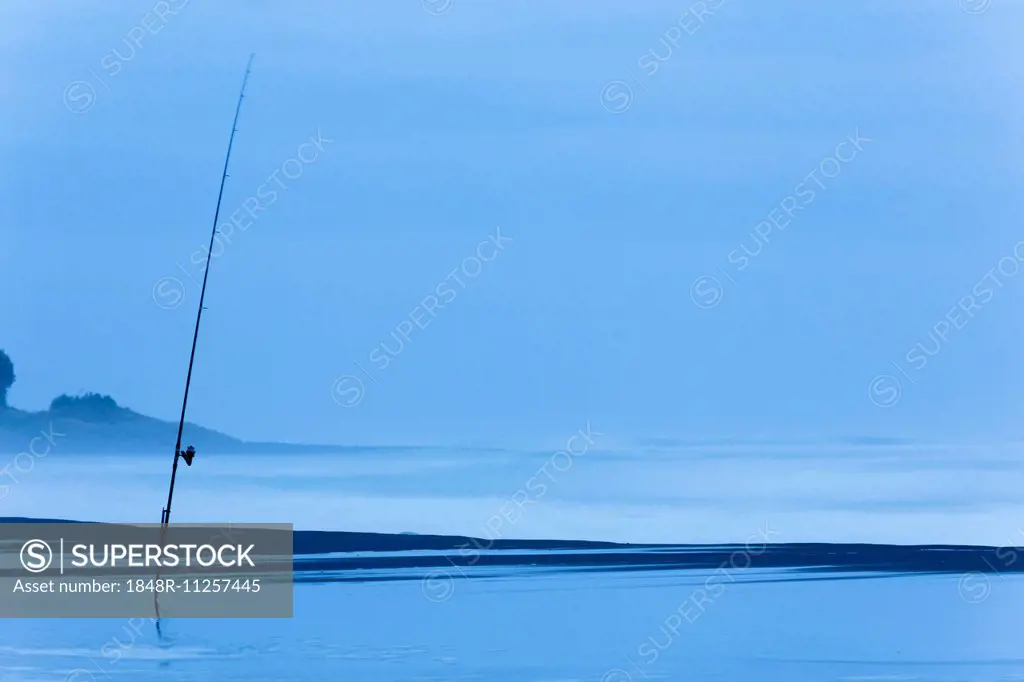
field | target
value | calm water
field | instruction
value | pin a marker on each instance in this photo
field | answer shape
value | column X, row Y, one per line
column 531, row 625
column 615, row 627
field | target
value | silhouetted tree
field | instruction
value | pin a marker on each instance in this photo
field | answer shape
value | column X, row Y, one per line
column 6, row 377
column 86, row 405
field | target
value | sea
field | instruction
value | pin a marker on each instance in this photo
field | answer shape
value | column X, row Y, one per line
column 537, row 620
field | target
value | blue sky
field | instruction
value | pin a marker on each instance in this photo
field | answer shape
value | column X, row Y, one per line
column 447, row 125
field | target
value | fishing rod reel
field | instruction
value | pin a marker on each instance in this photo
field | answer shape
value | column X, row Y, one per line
column 188, row 455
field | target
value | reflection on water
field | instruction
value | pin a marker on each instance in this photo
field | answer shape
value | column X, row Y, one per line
column 613, row 626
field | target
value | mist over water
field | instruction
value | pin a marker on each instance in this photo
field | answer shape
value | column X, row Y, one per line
column 900, row 494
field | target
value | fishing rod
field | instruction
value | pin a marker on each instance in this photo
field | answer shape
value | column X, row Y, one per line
column 190, row 452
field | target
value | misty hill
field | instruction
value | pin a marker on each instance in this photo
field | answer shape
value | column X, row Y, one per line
column 95, row 424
